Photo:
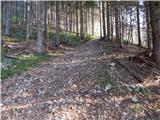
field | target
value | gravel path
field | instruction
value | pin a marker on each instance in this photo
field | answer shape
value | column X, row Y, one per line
column 71, row 87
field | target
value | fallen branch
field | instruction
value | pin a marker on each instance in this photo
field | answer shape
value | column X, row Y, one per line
column 11, row 57
column 131, row 72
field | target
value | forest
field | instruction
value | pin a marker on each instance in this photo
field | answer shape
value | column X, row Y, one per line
column 80, row 60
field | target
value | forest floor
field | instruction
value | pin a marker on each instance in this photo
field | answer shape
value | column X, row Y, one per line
column 84, row 83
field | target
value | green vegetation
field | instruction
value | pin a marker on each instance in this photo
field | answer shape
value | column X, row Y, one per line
column 137, row 108
column 105, row 82
column 89, row 37
column 24, row 62
column 21, row 64
column 73, row 40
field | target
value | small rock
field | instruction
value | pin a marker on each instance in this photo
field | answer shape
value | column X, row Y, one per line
column 62, row 101
column 146, row 101
column 96, row 91
column 129, row 89
column 47, row 106
column 112, row 64
column 74, row 86
column 104, row 54
column 134, row 99
column 1, row 105
column 108, row 87
column 30, row 111
column 62, row 117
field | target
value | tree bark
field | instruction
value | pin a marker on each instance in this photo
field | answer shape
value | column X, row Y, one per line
column 40, row 37
column 138, row 26
column 103, row 18
column 27, row 20
column 116, row 23
column 149, row 39
column 57, row 24
column 81, row 21
column 45, row 22
column 155, row 24
column 8, row 19
column 100, row 21
column 66, row 22
column 108, row 20
column 112, row 18
column 92, row 12
column 77, row 20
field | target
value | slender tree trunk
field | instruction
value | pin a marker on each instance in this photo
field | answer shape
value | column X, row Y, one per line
column 86, row 21
column 138, row 26
column 27, row 19
column 120, row 28
column 77, row 20
column 100, row 21
column 57, row 24
column 116, row 23
column 21, row 19
column 81, row 21
column 92, row 20
column 31, row 17
column 8, row 19
column 155, row 24
column 74, row 25
column 70, row 19
column 89, row 25
column 122, row 25
column 130, row 25
column 103, row 18
column 45, row 24
column 149, row 39
column 108, row 21
column 40, row 37
column 112, row 12
column 66, row 23
column 24, row 12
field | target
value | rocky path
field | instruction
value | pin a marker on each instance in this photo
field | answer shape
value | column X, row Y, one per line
column 82, row 84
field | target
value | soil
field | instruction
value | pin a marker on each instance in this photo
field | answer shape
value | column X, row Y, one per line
column 83, row 83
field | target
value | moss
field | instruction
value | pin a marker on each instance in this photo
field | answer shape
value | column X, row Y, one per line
column 137, row 108
column 89, row 37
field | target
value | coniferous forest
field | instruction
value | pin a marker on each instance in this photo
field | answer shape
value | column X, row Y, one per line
column 80, row 60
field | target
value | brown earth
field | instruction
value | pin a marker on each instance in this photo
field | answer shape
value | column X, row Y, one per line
column 84, row 83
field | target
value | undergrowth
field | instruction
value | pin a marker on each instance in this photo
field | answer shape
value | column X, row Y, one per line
column 21, row 64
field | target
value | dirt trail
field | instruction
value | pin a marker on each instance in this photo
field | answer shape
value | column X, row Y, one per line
column 70, row 88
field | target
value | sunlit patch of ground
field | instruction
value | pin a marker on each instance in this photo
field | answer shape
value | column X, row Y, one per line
column 81, row 83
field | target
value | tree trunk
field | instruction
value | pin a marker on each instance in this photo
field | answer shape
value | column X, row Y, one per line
column 66, row 23
column 103, row 18
column 77, row 20
column 149, row 39
column 112, row 14
column 81, row 21
column 70, row 19
column 155, row 24
column 92, row 20
column 8, row 19
column 27, row 19
column 138, row 26
column 57, row 24
column 40, row 37
column 100, row 21
column 30, row 20
column 86, row 21
column 116, row 23
column 21, row 19
column 108, row 21
column 45, row 23
column 120, row 28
